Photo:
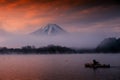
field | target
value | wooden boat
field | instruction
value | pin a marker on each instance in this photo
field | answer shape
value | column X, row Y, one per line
column 89, row 65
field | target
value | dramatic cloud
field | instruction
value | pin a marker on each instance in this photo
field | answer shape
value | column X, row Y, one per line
column 23, row 16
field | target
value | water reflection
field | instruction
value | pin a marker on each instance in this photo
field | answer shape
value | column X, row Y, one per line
column 57, row 67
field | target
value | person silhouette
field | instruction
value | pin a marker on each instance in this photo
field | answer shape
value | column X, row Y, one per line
column 95, row 62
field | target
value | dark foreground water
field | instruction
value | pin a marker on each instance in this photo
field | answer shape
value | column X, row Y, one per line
column 58, row 67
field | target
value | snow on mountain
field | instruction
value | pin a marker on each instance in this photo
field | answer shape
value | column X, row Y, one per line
column 50, row 29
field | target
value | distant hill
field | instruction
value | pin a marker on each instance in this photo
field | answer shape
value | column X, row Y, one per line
column 50, row 29
column 109, row 45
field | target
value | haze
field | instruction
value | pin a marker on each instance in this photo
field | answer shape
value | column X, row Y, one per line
column 87, row 21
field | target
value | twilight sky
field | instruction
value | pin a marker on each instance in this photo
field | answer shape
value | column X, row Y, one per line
column 24, row 16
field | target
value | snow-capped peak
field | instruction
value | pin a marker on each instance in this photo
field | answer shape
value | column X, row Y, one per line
column 50, row 29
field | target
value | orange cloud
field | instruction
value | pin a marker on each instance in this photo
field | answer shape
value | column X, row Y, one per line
column 26, row 15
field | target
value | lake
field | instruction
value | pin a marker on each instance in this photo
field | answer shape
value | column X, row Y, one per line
column 58, row 67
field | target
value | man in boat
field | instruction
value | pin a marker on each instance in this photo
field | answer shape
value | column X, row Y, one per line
column 95, row 62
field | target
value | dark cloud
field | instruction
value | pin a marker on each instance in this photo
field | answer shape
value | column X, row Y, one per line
column 106, row 2
column 19, row 14
column 71, row 3
column 101, row 14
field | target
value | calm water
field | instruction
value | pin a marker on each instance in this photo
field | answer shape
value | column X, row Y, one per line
column 58, row 67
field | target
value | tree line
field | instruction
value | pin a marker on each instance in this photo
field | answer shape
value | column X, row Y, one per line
column 51, row 49
column 108, row 45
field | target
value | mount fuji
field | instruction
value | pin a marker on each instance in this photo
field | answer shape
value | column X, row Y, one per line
column 50, row 29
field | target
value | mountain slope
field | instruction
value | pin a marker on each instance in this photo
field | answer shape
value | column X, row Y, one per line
column 50, row 29
column 109, row 45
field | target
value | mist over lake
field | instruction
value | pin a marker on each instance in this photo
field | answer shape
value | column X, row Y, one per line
column 53, row 34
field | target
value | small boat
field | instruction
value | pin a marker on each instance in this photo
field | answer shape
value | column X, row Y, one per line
column 90, row 65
